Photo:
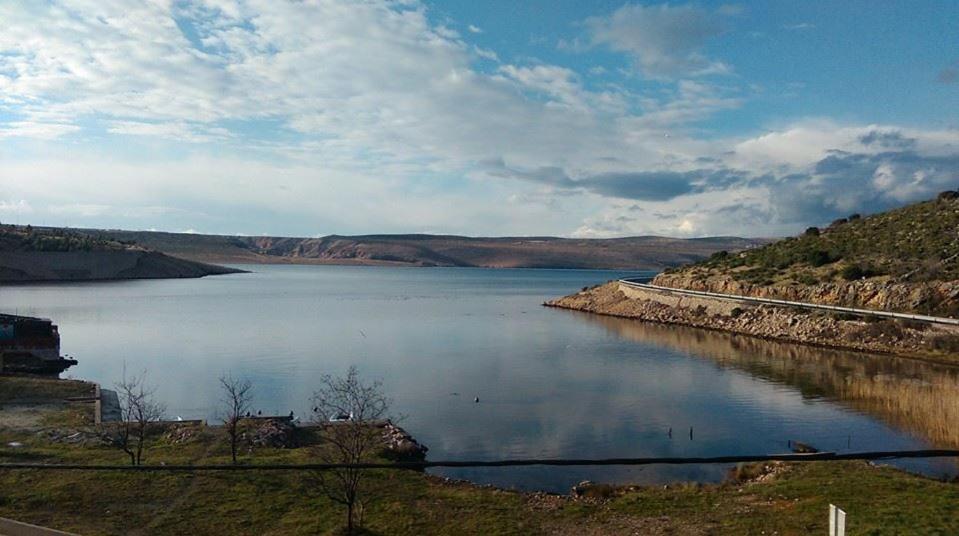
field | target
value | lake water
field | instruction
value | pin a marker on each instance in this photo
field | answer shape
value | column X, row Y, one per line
column 551, row 383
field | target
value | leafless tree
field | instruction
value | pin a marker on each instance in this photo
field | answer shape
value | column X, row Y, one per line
column 348, row 410
column 139, row 411
column 237, row 396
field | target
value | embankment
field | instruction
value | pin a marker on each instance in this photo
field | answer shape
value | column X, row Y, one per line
column 27, row 266
column 769, row 322
column 882, row 294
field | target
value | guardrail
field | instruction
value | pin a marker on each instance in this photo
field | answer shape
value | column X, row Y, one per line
column 669, row 460
column 785, row 303
column 9, row 527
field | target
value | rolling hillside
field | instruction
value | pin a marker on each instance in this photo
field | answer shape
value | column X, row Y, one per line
column 647, row 252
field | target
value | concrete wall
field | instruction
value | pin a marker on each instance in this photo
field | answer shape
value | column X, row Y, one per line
column 715, row 306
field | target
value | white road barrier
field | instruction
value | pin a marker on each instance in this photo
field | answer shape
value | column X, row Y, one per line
column 804, row 305
column 837, row 521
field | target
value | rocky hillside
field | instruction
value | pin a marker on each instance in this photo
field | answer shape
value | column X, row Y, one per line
column 646, row 252
column 28, row 254
column 902, row 260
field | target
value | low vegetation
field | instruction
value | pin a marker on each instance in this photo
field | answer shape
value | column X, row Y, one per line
column 28, row 238
column 780, row 499
column 916, row 243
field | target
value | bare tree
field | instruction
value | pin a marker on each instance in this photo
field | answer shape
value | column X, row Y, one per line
column 139, row 411
column 349, row 412
column 237, row 396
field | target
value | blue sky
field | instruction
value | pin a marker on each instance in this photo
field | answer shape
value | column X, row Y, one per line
column 589, row 119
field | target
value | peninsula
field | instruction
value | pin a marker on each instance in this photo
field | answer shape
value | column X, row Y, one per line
column 30, row 254
column 902, row 261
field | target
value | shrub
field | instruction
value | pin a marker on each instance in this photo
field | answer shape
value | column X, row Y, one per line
column 737, row 311
column 819, row 258
column 914, row 324
column 600, row 492
column 851, row 272
column 889, row 329
column 806, row 279
column 745, row 472
column 948, row 194
column 944, row 343
column 812, row 231
column 854, row 272
column 853, row 217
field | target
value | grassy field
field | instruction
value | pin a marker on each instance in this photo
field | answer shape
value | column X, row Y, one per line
column 784, row 499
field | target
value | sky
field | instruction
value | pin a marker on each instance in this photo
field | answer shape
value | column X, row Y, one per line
column 492, row 118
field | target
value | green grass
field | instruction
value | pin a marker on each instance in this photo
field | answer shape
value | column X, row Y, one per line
column 879, row 500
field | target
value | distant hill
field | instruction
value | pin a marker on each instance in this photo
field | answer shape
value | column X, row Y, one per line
column 29, row 254
column 645, row 252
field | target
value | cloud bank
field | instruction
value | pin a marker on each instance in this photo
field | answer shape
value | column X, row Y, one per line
column 340, row 116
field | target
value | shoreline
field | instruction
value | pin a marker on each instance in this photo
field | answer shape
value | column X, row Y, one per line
column 766, row 322
column 788, row 498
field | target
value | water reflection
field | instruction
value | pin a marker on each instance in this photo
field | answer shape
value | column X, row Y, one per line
column 552, row 383
column 912, row 395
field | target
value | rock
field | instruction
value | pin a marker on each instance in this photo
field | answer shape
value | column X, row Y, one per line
column 401, row 444
column 580, row 489
column 272, row 433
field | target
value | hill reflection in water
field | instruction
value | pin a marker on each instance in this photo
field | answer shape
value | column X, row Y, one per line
column 919, row 397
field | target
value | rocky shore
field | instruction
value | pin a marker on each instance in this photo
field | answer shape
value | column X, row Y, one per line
column 880, row 293
column 908, row 339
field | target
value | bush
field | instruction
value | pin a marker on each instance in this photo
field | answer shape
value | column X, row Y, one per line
column 737, row 311
column 746, row 472
column 855, row 272
column 889, row 329
column 851, row 272
column 807, row 279
column 819, row 258
column 944, row 343
column 948, row 194
column 812, row 231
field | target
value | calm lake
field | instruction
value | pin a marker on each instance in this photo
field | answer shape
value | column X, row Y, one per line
column 551, row 383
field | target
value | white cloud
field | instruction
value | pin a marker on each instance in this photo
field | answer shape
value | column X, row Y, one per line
column 174, row 130
column 36, row 130
column 343, row 116
column 663, row 40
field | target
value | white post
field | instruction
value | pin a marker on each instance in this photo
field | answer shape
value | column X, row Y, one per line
column 837, row 521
